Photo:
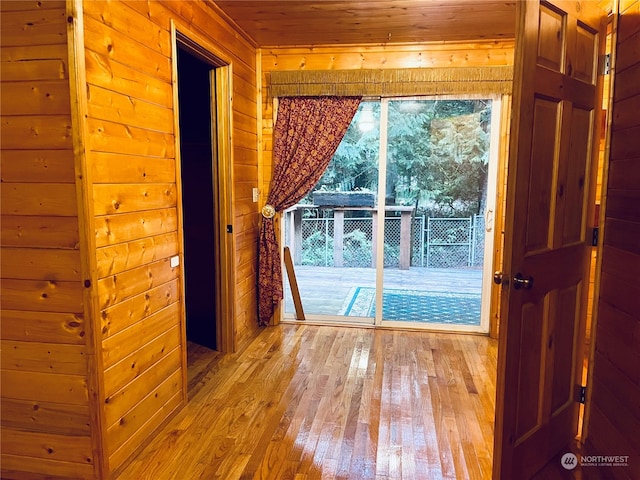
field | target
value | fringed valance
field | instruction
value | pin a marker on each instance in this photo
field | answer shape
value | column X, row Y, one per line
column 392, row 82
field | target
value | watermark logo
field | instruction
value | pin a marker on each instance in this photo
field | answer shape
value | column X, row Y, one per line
column 604, row 461
column 569, row 461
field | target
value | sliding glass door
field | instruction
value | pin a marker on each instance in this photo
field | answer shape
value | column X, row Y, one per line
column 439, row 189
column 331, row 233
column 399, row 227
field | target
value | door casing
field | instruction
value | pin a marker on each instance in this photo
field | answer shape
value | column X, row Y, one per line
column 221, row 109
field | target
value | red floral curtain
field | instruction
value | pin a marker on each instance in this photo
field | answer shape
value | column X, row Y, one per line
column 307, row 133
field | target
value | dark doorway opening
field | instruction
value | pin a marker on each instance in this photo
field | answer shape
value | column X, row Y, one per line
column 198, row 197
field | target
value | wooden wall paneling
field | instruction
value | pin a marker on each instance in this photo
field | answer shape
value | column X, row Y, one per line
column 108, row 105
column 126, row 49
column 619, row 385
column 244, row 190
column 135, row 337
column 58, row 388
column 110, row 199
column 128, row 397
column 124, row 256
column 29, row 263
column 618, row 292
column 26, row 5
column 44, row 469
column 46, row 417
column 33, row 27
column 36, row 131
column 627, row 56
column 453, row 54
column 628, row 26
column 116, row 137
column 112, row 229
column 621, row 204
column 32, row 53
column 116, row 288
column 244, row 172
column 42, row 295
column 244, row 121
column 625, row 83
column 127, row 369
column 244, row 83
column 162, row 395
column 622, row 352
column 39, row 231
column 34, row 70
column 626, row 144
column 35, row 445
column 129, row 22
column 146, row 431
column 621, row 229
column 112, row 75
column 133, row 121
column 134, row 309
column 30, row 326
column 124, row 169
column 245, row 138
column 625, row 173
column 52, row 199
column 43, row 357
column 613, row 416
column 39, row 97
column 37, row 166
column 626, row 118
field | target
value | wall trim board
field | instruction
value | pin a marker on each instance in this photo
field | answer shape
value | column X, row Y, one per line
column 86, row 221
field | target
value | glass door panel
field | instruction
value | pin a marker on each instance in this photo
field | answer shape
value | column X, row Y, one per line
column 437, row 192
column 330, row 233
column 399, row 227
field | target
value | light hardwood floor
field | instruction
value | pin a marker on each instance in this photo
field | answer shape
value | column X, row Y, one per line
column 306, row 402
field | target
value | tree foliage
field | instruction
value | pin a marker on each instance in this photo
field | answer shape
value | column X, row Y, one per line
column 438, row 152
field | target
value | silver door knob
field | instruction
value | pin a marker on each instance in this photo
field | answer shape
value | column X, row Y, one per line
column 519, row 281
column 498, row 278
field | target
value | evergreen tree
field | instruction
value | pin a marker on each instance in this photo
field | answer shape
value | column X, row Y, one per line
column 438, row 152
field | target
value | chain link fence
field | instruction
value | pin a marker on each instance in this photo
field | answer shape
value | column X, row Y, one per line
column 455, row 242
column 317, row 242
column 358, row 242
column 435, row 242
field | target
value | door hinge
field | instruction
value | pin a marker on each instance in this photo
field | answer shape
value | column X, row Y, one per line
column 583, row 394
column 605, row 64
column 594, row 237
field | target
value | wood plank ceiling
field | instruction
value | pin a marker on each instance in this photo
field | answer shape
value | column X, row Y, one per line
column 330, row 22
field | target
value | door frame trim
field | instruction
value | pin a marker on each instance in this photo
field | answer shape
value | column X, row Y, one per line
column 223, row 188
column 498, row 152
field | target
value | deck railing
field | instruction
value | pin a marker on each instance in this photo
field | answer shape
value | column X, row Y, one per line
column 333, row 240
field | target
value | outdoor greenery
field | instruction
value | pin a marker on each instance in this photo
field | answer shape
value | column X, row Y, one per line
column 436, row 242
column 438, row 152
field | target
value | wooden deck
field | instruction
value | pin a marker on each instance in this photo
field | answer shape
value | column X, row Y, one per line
column 310, row 402
column 324, row 290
